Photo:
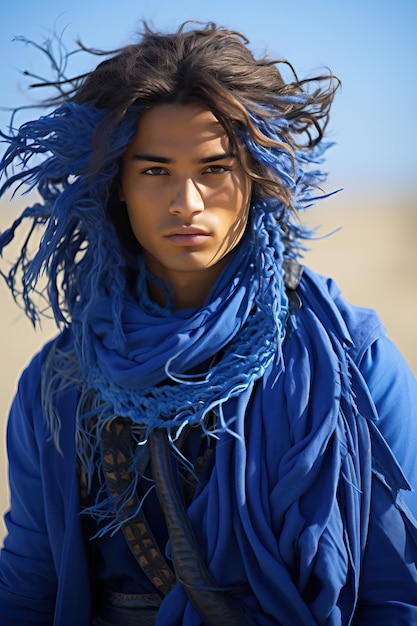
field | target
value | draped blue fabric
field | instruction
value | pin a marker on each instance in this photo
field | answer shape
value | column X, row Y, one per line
column 181, row 339
column 289, row 493
column 287, row 504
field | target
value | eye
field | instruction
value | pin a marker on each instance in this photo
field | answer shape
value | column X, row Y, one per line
column 217, row 169
column 155, row 171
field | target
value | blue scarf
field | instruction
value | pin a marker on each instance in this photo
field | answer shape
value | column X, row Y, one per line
column 287, row 502
column 172, row 369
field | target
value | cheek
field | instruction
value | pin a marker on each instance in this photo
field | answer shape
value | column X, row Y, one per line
column 142, row 230
column 139, row 219
column 135, row 210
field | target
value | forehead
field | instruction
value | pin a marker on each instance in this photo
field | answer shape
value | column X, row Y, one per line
column 170, row 127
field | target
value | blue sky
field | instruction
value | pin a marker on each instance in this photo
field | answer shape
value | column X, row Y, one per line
column 370, row 45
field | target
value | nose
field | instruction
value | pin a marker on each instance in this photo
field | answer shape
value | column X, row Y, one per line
column 188, row 199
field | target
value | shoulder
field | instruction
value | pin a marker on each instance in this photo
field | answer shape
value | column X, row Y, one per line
column 31, row 376
column 389, row 382
column 27, row 406
column 393, row 388
column 362, row 325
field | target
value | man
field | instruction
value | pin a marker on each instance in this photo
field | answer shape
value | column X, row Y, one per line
column 215, row 436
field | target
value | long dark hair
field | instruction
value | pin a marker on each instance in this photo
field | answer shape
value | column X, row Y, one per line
column 214, row 67
column 275, row 128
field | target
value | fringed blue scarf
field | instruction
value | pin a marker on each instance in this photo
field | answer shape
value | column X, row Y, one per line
column 285, row 489
column 151, row 378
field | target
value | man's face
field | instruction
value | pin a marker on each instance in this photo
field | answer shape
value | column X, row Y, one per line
column 187, row 196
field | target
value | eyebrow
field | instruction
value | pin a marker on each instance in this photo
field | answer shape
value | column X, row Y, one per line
column 154, row 158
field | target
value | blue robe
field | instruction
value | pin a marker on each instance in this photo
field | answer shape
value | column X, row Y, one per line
column 44, row 573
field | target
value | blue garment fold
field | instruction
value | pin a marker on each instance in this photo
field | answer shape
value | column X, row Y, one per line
column 157, row 347
column 286, row 509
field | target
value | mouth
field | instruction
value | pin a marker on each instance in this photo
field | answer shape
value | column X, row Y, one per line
column 187, row 235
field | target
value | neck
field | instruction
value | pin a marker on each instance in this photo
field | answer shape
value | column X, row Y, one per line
column 188, row 290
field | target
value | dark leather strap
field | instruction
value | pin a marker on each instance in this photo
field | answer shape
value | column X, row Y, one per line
column 213, row 604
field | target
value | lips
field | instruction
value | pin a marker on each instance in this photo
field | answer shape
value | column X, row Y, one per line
column 187, row 230
column 187, row 236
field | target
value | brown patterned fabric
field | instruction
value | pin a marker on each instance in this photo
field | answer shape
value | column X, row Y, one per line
column 117, row 460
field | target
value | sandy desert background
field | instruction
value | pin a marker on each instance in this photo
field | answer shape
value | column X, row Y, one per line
column 373, row 258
